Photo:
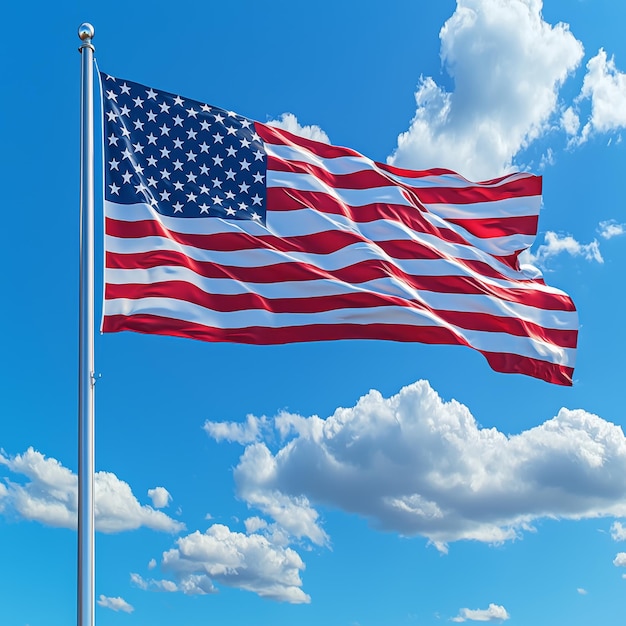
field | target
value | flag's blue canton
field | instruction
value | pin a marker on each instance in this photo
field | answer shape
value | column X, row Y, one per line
column 184, row 158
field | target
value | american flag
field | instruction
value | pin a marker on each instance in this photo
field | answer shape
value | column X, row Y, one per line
column 221, row 228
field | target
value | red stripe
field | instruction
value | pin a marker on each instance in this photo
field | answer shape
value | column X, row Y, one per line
column 372, row 179
column 187, row 292
column 358, row 273
column 506, row 363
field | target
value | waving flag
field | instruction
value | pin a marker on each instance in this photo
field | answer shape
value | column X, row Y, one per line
column 221, row 228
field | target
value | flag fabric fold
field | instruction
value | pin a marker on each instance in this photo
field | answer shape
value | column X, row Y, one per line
column 221, row 228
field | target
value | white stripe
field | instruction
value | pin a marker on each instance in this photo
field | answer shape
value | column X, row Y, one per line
column 485, row 341
column 352, row 164
column 308, row 221
column 292, row 290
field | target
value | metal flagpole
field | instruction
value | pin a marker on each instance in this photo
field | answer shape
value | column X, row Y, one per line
column 86, row 377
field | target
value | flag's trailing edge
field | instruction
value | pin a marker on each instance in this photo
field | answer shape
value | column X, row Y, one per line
column 221, row 228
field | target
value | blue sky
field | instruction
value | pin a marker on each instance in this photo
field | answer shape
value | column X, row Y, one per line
column 216, row 499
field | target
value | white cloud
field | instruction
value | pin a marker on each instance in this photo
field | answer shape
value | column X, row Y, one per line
column 248, row 432
column 620, row 559
column 618, row 532
column 495, row 613
column 508, row 65
column 168, row 586
column 50, row 496
column 152, row 564
column 288, row 121
column 160, row 497
column 611, row 228
column 250, row 562
column 570, row 121
column 556, row 244
column 417, row 465
column 581, row 591
column 605, row 86
column 116, row 604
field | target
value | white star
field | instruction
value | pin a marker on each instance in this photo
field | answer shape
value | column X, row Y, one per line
column 127, row 176
column 204, row 189
column 192, row 113
column 204, row 125
column 191, row 197
column 231, row 114
column 217, row 160
column 245, row 143
column 140, row 188
column 206, row 108
column 165, row 107
column 178, row 186
column 244, row 165
column 151, row 94
column 113, row 139
column 218, row 138
column 258, row 155
column 165, row 196
column 125, row 132
column 127, row 154
column 245, row 123
column 152, row 182
column 230, row 151
column 138, row 102
column 204, row 169
column 230, row 211
column 217, row 182
column 191, row 177
column 231, row 130
column 178, row 120
column 243, row 187
column 138, row 168
column 255, row 137
column 113, row 163
column 165, row 130
column 151, row 116
column 230, row 174
column 179, row 101
column 178, row 143
column 191, row 156
column 114, row 189
column 256, row 199
column 138, row 125
column 178, row 165
column 152, row 162
column 204, row 208
column 256, row 216
column 125, row 89
column 125, row 111
column 178, row 207
column 219, row 118
column 111, row 115
column 217, row 200
column 165, row 153
column 204, row 147
column 138, row 147
column 258, row 177
column 111, row 95
column 243, row 206
column 230, row 195
column 165, row 174
column 191, row 134
column 151, row 139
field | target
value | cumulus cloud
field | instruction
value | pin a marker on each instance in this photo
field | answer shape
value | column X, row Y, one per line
column 508, row 64
column 222, row 556
column 555, row 244
column 620, row 559
column 611, row 228
column 495, row 613
column 50, row 495
column 605, row 86
column 160, row 497
column 581, row 591
column 247, row 432
column 288, row 121
column 115, row 604
column 417, row 465
column 618, row 532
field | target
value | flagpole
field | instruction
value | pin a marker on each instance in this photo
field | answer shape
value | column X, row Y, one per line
column 86, row 378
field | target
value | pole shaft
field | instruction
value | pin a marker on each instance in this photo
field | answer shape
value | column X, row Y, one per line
column 86, row 379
